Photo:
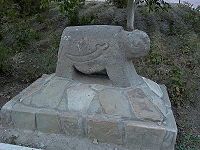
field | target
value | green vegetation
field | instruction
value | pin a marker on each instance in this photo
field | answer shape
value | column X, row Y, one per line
column 29, row 43
column 119, row 3
column 152, row 5
column 69, row 8
column 188, row 142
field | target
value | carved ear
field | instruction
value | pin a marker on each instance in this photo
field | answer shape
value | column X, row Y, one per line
column 102, row 46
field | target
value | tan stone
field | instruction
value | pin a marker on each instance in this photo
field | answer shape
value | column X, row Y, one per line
column 104, row 131
column 51, row 94
column 143, row 136
column 80, row 97
column 114, row 103
column 23, row 117
column 142, row 107
column 48, row 121
column 71, row 124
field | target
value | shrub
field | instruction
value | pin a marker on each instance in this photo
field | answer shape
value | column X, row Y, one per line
column 87, row 20
column 4, row 54
column 67, row 7
column 18, row 8
column 156, row 5
column 119, row 3
column 152, row 5
column 28, row 7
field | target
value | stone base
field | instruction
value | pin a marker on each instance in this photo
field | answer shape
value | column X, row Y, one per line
column 4, row 146
column 135, row 117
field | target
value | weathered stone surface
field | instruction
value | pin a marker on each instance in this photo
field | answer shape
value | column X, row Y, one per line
column 25, row 95
column 154, row 87
column 62, row 106
column 92, row 49
column 47, row 121
column 95, row 106
column 169, row 140
column 80, row 97
column 101, row 112
column 143, row 108
column 98, row 87
column 143, row 136
column 71, row 124
column 28, row 121
column 154, row 98
column 104, row 131
column 4, row 146
column 51, row 94
column 23, row 117
column 114, row 102
column 165, row 97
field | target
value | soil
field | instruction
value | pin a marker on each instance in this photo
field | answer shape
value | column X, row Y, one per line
column 9, row 87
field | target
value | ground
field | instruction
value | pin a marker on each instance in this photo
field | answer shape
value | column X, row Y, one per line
column 30, row 45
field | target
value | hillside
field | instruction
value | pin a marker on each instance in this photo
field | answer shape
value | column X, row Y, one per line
column 29, row 46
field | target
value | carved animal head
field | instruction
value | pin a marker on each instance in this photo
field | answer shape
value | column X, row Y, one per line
column 138, row 43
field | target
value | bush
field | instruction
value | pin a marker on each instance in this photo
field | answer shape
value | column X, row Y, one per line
column 152, row 5
column 119, row 3
column 4, row 55
column 28, row 7
column 156, row 5
column 13, row 9
column 69, row 8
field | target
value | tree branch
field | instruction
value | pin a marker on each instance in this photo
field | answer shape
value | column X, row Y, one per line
column 131, row 14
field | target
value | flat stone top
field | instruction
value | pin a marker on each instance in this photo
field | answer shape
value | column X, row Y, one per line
column 145, row 102
column 137, row 117
column 88, row 38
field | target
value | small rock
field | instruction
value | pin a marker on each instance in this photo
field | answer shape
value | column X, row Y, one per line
column 95, row 141
column 42, row 145
column 8, row 97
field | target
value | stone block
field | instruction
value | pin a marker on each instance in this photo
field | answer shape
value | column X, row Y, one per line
column 71, row 124
column 104, row 131
column 114, row 103
column 4, row 146
column 48, row 121
column 144, row 136
column 142, row 106
column 169, row 140
column 80, row 97
column 23, row 117
column 51, row 94
column 136, row 118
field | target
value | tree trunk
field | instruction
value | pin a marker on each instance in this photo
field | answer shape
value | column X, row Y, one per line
column 131, row 14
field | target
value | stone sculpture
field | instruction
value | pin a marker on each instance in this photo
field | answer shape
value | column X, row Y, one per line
column 92, row 49
column 136, row 117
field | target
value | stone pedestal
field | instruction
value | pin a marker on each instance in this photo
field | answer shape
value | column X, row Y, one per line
column 135, row 117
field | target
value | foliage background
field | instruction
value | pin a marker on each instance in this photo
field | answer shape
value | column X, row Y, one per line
column 30, row 33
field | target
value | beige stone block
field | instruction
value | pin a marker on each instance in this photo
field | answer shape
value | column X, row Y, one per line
column 48, row 121
column 144, row 136
column 104, row 131
column 71, row 124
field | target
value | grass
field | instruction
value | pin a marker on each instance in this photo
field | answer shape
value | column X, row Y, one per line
column 188, row 141
column 174, row 58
